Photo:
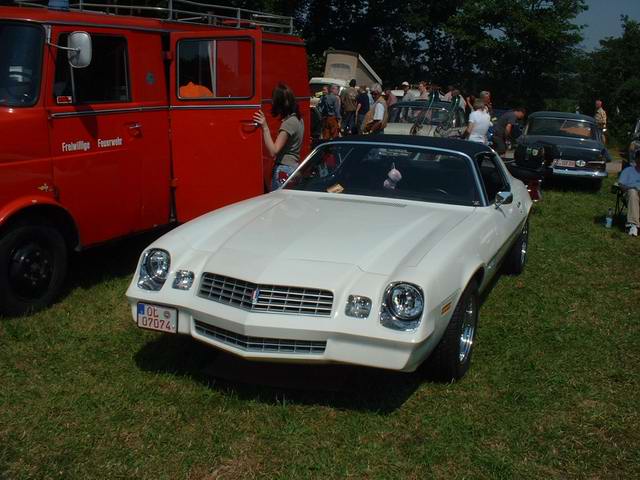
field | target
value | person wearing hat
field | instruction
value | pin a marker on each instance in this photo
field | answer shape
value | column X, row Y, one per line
column 408, row 94
column 376, row 119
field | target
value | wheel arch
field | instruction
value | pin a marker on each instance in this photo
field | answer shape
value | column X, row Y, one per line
column 44, row 211
column 478, row 276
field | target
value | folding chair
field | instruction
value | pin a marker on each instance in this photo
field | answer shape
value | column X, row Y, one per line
column 621, row 201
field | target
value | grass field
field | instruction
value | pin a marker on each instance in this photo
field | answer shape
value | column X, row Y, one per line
column 552, row 392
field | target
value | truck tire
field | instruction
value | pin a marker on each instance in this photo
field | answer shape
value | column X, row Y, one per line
column 517, row 257
column 33, row 265
column 450, row 360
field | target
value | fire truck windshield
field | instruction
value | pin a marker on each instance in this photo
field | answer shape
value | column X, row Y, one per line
column 20, row 63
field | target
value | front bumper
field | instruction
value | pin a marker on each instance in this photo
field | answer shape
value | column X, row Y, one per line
column 299, row 339
column 570, row 172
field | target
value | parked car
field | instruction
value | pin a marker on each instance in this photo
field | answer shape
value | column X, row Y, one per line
column 375, row 252
column 559, row 144
column 426, row 118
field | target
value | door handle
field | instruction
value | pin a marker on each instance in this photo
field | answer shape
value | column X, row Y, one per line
column 135, row 129
column 250, row 123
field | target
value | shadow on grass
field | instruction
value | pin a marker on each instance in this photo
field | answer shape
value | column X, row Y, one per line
column 571, row 184
column 339, row 386
column 111, row 260
column 619, row 222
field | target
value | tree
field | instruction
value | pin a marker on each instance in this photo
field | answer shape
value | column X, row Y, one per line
column 611, row 74
column 517, row 48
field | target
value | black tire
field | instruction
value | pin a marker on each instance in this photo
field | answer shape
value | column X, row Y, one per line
column 517, row 257
column 33, row 265
column 450, row 360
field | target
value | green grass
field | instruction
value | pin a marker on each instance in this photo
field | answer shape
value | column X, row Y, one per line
column 552, row 391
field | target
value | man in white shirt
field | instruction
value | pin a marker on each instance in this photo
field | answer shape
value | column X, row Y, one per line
column 479, row 123
column 408, row 94
column 376, row 119
column 629, row 181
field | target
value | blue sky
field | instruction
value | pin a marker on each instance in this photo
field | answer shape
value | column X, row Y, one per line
column 603, row 19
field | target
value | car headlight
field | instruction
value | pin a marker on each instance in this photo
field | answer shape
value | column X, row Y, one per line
column 154, row 269
column 183, row 280
column 358, row 306
column 402, row 306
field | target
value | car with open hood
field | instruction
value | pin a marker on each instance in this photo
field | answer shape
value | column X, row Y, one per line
column 559, row 144
column 374, row 252
column 426, row 118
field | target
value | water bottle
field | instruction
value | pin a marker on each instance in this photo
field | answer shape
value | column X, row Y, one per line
column 608, row 221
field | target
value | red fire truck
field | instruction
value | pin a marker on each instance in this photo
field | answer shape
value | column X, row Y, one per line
column 112, row 124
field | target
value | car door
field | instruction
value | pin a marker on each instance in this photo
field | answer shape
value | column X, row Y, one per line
column 506, row 218
column 216, row 146
column 92, row 134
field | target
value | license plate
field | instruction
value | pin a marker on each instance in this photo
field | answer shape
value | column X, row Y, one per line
column 155, row 317
column 565, row 163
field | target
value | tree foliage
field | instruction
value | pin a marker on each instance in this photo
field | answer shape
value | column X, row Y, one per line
column 611, row 73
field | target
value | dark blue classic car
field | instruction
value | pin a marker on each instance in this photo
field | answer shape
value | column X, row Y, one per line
column 559, row 144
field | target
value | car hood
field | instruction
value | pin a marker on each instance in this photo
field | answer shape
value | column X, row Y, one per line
column 568, row 147
column 303, row 229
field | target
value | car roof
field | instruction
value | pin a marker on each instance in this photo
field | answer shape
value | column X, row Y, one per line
column 572, row 116
column 464, row 146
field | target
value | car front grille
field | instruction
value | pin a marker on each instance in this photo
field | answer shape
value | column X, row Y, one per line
column 259, row 344
column 266, row 298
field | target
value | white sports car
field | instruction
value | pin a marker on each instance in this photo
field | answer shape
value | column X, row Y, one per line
column 374, row 252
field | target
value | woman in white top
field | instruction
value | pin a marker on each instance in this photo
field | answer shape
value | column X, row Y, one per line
column 479, row 123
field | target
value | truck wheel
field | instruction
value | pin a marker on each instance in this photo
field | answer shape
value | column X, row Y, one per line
column 517, row 257
column 33, row 265
column 451, row 358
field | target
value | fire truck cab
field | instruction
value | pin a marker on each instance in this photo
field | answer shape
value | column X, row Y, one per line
column 113, row 124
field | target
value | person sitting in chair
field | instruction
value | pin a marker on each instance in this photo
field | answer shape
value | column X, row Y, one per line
column 630, row 183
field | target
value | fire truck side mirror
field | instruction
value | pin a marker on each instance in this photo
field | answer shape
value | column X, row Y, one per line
column 79, row 49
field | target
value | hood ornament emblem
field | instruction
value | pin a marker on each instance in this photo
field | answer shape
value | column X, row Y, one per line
column 254, row 297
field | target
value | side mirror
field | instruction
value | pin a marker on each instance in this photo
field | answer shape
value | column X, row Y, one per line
column 503, row 198
column 79, row 49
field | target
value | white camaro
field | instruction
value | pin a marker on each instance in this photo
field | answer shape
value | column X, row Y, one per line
column 373, row 253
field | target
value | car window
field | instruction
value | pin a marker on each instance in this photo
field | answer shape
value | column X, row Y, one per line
column 562, row 127
column 20, row 63
column 392, row 171
column 215, row 68
column 106, row 79
column 492, row 175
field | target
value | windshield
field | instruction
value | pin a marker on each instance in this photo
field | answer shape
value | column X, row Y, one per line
column 560, row 127
column 422, row 115
column 391, row 171
column 20, row 62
